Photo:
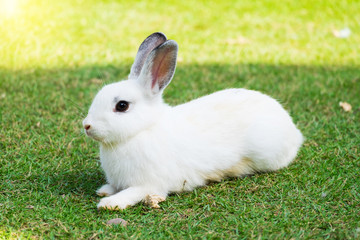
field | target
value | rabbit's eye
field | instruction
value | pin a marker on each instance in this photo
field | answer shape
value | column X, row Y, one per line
column 122, row 106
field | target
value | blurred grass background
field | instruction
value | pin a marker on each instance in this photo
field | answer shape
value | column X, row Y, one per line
column 55, row 56
column 77, row 33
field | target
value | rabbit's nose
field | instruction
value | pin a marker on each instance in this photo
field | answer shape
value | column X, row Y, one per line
column 87, row 126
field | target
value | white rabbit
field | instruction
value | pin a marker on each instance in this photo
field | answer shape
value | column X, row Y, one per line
column 150, row 148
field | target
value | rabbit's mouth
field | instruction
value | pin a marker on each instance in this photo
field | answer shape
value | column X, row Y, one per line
column 91, row 131
column 94, row 136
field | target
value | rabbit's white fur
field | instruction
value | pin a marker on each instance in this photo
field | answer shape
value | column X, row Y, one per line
column 155, row 149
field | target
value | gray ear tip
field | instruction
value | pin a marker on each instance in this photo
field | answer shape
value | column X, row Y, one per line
column 158, row 35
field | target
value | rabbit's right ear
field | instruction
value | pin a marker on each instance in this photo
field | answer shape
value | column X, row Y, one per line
column 150, row 43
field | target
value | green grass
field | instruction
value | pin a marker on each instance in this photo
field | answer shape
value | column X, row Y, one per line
column 55, row 56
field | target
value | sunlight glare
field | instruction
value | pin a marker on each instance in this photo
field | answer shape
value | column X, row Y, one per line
column 8, row 8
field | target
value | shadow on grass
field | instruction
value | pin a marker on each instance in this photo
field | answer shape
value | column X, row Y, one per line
column 83, row 182
column 289, row 83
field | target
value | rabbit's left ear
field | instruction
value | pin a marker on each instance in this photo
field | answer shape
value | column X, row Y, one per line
column 145, row 48
column 159, row 67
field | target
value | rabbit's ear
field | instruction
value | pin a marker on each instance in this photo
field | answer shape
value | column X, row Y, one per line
column 145, row 48
column 159, row 67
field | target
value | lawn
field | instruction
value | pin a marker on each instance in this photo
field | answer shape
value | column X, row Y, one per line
column 56, row 55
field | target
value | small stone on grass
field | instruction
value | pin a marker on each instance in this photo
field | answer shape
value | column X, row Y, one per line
column 117, row 221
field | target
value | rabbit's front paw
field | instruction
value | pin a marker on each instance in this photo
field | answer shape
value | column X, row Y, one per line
column 106, row 190
column 112, row 203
